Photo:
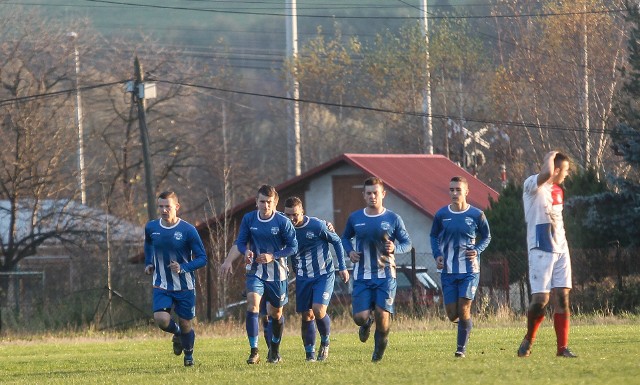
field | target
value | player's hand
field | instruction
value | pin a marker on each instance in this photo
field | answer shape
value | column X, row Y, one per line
column 440, row 262
column 389, row 247
column 226, row 269
column 354, row 256
column 248, row 257
column 344, row 275
column 330, row 227
column 265, row 258
column 174, row 266
column 148, row 270
column 471, row 254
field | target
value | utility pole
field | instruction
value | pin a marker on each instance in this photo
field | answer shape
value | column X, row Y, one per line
column 138, row 95
column 81, row 178
column 427, row 120
column 293, row 92
column 585, row 89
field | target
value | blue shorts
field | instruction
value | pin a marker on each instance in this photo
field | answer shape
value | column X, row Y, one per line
column 461, row 285
column 274, row 292
column 314, row 290
column 183, row 302
column 368, row 293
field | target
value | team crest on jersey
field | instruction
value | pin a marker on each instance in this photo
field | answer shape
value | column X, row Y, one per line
column 310, row 235
column 177, row 235
column 274, row 230
column 385, row 225
column 468, row 221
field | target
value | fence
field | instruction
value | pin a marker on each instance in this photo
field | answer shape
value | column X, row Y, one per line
column 72, row 292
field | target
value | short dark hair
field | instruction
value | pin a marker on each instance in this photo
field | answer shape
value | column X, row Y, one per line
column 558, row 159
column 168, row 195
column 268, row 191
column 293, row 202
column 372, row 181
column 460, row 179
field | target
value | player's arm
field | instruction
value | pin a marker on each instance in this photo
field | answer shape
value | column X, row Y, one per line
column 347, row 236
column 485, row 233
column 333, row 238
column 290, row 241
column 401, row 240
column 148, row 252
column 436, row 228
column 227, row 266
column 546, row 170
column 197, row 251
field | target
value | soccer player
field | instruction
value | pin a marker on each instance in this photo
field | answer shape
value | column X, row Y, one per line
column 272, row 240
column 549, row 260
column 456, row 249
column 376, row 231
column 173, row 251
column 315, row 276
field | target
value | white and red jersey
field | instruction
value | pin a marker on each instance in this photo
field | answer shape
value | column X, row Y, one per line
column 543, row 214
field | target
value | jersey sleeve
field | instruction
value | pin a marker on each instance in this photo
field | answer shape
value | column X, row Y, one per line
column 243, row 235
column 290, row 240
column 485, row 233
column 401, row 237
column 436, row 229
column 334, row 239
column 347, row 235
column 148, row 246
column 199, row 256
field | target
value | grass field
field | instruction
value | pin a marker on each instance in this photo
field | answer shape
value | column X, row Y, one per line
column 608, row 354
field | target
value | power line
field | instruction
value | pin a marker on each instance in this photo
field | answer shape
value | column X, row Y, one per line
column 389, row 111
column 57, row 93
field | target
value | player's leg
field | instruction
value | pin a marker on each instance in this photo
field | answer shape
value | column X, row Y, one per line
column 450, row 296
column 185, row 308
column 276, row 293
column 255, row 290
column 540, row 272
column 468, row 284
column 322, row 291
column 266, row 321
column 385, row 297
column 304, row 292
column 561, row 287
column 162, row 304
column 362, row 302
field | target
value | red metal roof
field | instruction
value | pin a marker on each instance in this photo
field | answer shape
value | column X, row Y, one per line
column 421, row 180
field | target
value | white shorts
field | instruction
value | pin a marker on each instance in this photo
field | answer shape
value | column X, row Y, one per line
column 549, row 270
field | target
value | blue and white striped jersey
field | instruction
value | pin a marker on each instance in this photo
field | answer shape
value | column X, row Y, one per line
column 180, row 243
column 275, row 235
column 314, row 257
column 369, row 232
column 453, row 232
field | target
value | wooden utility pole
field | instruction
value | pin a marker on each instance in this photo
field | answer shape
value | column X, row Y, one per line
column 138, row 96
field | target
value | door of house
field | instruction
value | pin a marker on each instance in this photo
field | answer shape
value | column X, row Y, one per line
column 347, row 198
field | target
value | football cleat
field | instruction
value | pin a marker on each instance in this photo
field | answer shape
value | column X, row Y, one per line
column 177, row 345
column 323, row 352
column 310, row 356
column 188, row 361
column 567, row 353
column 459, row 354
column 273, row 356
column 377, row 355
column 525, row 348
column 254, row 357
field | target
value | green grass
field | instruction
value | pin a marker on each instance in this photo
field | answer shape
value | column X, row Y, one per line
column 609, row 354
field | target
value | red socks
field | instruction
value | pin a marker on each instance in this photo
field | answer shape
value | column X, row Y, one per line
column 533, row 324
column 561, row 325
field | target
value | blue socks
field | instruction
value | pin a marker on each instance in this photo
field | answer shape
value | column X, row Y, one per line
column 309, row 335
column 277, row 327
column 252, row 329
column 172, row 328
column 188, row 340
column 464, row 329
column 324, row 328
